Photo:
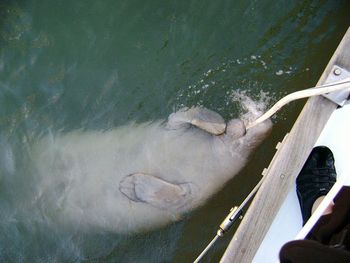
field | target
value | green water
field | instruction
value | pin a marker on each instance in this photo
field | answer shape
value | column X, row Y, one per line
column 95, row 65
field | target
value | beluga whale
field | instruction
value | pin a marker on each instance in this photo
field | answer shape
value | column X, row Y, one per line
column 139, row 177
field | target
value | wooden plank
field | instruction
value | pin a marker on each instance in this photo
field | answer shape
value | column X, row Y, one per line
column 285, row 167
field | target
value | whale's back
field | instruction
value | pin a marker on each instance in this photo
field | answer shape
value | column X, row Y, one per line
column 79, row 172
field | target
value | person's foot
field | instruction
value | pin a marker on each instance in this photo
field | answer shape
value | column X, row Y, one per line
column 316, row 178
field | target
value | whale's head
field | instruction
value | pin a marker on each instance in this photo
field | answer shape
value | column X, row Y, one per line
column 257, row 134
column 235, row 129
column 243, row 141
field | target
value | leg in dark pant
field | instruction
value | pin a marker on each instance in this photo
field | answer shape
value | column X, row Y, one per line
column 308, row 251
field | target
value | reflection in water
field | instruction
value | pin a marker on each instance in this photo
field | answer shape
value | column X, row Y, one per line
column 93, row 65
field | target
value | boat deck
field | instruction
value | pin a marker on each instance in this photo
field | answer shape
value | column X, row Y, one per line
column 287, row 225
column 280, row 176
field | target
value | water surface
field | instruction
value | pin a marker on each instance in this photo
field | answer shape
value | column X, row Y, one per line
column 95, row 65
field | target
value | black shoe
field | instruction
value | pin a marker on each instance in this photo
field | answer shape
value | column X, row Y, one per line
column 316, row 178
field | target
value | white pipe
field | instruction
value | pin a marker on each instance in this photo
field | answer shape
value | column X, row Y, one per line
column 229, row 220
column 199, row 258
column 315, row 91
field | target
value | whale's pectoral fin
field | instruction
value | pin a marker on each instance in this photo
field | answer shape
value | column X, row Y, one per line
column 155, row 191
column 200, row 117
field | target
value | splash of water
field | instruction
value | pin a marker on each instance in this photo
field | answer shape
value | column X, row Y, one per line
column 251, row 108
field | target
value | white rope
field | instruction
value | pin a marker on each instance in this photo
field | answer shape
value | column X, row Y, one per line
column 232, row 218
column 206, row 249
column 315, row 91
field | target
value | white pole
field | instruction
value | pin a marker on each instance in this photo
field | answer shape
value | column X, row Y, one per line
column 315, row 91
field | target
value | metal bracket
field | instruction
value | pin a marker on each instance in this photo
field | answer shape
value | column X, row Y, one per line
column 338, row 74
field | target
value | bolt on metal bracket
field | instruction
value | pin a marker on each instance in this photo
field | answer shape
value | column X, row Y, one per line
column 338, row 74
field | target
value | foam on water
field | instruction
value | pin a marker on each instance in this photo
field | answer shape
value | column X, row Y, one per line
column 250, row 108
column 250, row 89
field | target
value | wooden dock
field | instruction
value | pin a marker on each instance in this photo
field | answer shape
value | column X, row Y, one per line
column 285, row 166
